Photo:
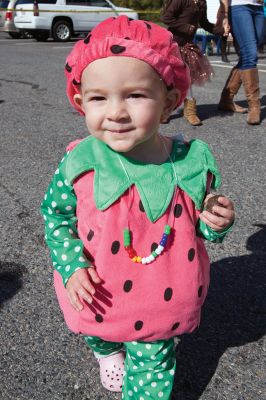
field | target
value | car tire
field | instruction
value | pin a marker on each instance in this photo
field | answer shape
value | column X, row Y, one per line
column 15, row 35
column 40, row 36
column 62, row 31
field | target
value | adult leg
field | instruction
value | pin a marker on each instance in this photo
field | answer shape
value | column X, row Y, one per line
column 149, row 370
column 247, row 27
column 111, row 361
column 223, row 44
column 230, row 89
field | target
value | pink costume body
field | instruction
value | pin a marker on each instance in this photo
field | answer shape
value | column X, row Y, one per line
column 135, row 301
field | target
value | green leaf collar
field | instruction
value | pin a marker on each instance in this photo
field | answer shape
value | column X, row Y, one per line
column 155, row 183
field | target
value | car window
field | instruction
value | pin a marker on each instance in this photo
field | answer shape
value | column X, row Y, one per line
column 78, row 2
column 32, row 1
column 4, row 3
column 99, row 3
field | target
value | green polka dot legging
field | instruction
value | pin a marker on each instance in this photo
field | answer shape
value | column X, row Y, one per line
column 149, row 367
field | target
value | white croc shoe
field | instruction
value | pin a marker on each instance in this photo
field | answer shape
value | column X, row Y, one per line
column 111, row 371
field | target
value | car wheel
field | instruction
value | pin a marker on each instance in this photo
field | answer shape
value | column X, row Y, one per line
column 40, row 36
column 62, row 31
column 15, row 35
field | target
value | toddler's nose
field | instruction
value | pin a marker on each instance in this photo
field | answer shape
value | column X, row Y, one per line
column 117, row 111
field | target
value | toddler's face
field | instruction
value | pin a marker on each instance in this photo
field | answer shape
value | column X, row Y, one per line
column 124, row 101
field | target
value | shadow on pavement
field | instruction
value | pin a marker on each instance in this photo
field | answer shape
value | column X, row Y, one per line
column 10, row 280
column 234, row 314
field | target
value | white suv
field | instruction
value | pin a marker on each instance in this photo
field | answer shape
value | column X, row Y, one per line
column 63, row 19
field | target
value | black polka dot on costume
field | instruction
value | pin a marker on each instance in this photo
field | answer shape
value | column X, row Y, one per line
column 178, row 210
column 175, row 326
column 141, row 206
column 90, row 235
column 148, row 25
column 75, row 82
column 168, row 293
column 128, row 286
column 117, row 49
column 68, row 68
column 127, row 38
column 138, row 325
column 115, row 247
column 154, row 246
column 191, row 254
column 87, row 39
column 200, row 291
column 98, row 318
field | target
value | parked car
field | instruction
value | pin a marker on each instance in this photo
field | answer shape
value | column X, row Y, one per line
column 7, row 18
column 63, row 19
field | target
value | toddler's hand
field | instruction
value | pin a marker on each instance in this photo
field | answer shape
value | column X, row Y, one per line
column 222, row 214
column 79, row 286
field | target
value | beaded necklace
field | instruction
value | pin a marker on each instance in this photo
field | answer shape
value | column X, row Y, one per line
column 127, row 236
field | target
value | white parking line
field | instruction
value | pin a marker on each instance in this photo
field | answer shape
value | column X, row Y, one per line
column 228, row 66
column 62, row 47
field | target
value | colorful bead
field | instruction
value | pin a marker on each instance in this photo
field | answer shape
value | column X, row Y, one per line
column 145, row 260
column 159, row 250
column 167, row 229
column 127, row 238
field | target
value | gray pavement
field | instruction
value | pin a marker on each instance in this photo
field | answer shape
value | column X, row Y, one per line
column 39, row 357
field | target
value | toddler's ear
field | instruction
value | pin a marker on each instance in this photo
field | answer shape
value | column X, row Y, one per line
column 171, row 101
column 78, row 101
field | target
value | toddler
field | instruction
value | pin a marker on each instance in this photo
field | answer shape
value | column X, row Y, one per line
column 123, row 213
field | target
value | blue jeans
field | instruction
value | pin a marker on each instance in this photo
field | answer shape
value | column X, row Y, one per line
column 247, row 24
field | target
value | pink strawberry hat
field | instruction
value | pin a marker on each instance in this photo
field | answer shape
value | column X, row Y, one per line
column 123, row 36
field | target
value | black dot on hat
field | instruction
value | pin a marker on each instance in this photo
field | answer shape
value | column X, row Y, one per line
column 117, row 49
column 98, row 318
column 178, row 210
column 128, row 286
column 87, row 39
column 127, row 38
column 154, row 246
column 175, row 326
column 138, row 325
column 191, row 254
column 90, row 235
column 141, row 206
column 200, row 291
column 68, row 68
column 115, row 247
column 148, row 25
column 75, row 82
column 168, row 293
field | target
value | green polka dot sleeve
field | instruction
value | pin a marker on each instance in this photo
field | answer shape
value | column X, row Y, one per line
column 58, row 209
column 206, row 232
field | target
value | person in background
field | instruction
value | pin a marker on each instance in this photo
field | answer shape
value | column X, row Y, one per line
column 247, row 26
column 182, row 18
column 261, row 48
column 219, row 26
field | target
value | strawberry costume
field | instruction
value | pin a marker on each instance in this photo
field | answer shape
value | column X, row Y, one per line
column 106, row 210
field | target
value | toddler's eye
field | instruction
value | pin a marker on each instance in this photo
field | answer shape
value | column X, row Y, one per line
column 136, row 95
column 97, row 98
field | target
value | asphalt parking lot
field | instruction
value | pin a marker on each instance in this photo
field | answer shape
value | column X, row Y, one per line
column 39, row 357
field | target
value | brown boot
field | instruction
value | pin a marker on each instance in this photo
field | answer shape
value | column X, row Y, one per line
column 190, row 112
column 230, row 89
column 250, row 79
